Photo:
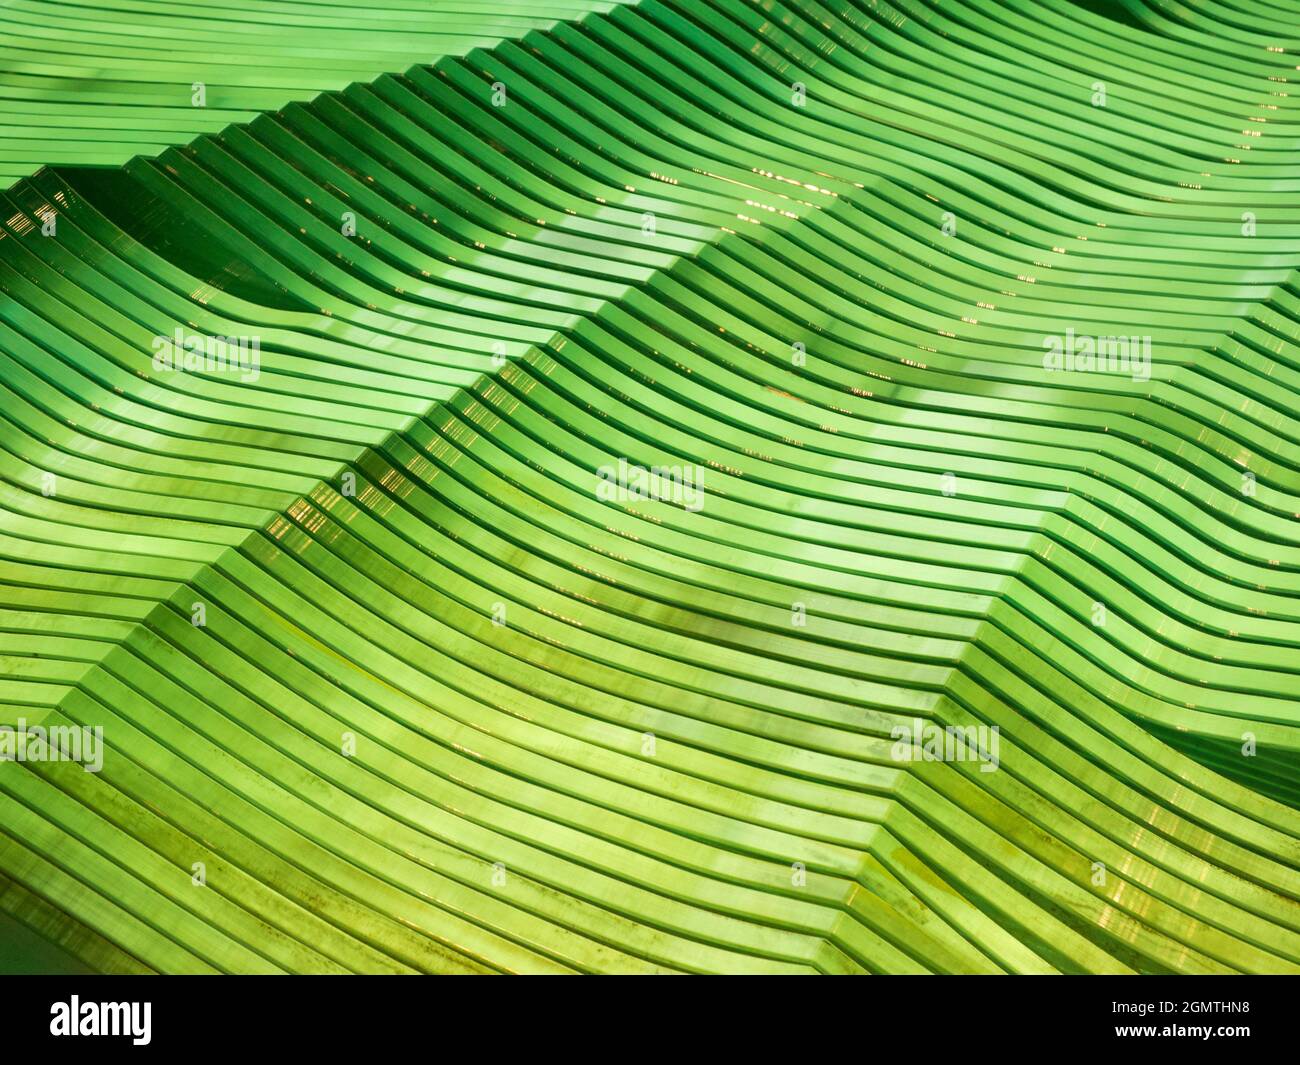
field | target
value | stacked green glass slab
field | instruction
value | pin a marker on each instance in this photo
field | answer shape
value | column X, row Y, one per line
column 390, row 681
